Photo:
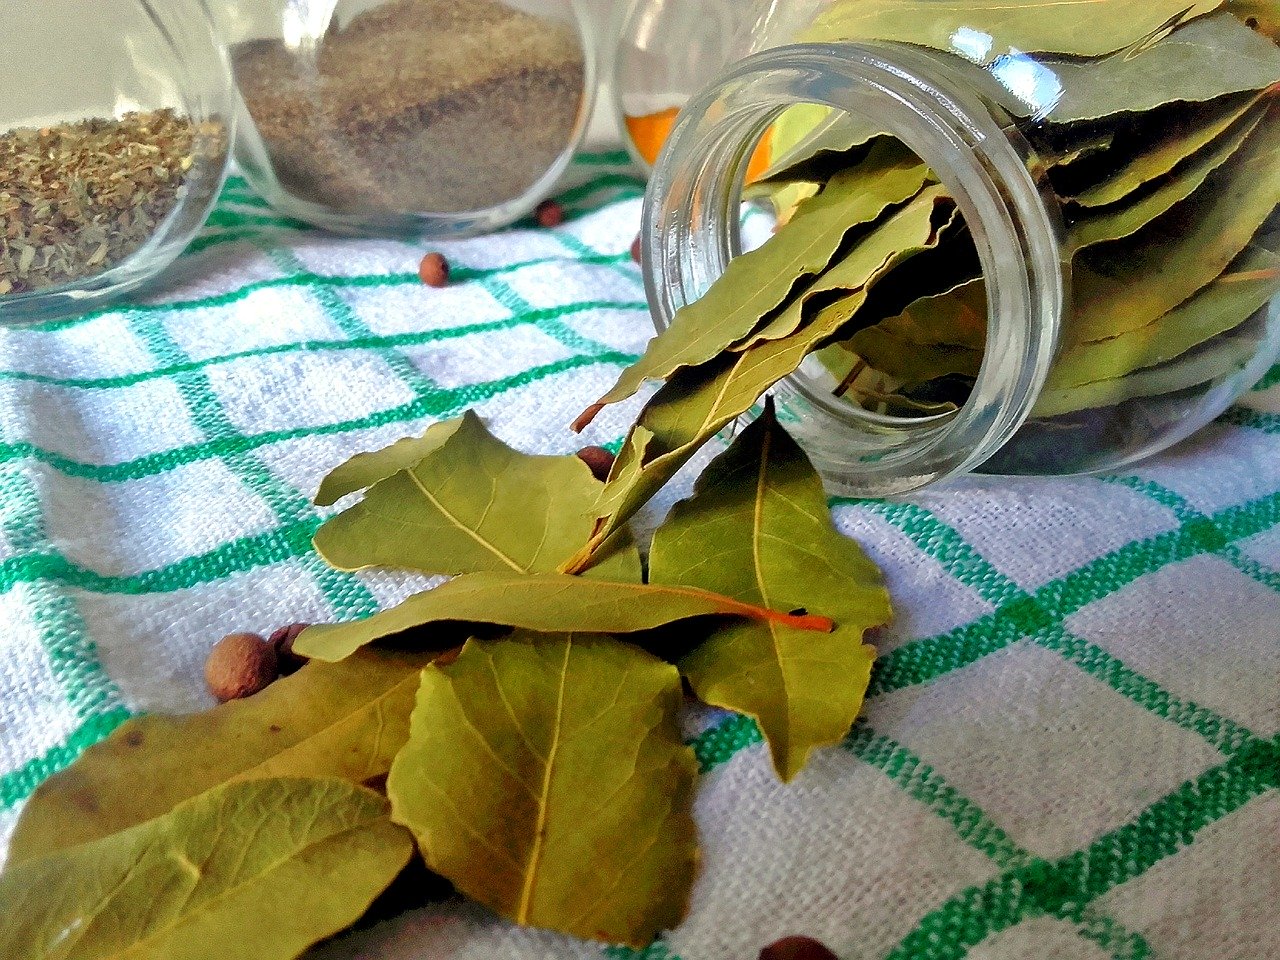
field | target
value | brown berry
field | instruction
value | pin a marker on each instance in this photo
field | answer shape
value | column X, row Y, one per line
column 434, row 270
column 636, row 253
column 599, row 460
column 282, row 640
column 240, row 665
column 549, row 214
column 797, row 948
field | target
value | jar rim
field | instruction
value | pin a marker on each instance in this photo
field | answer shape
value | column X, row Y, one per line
column 691, row 230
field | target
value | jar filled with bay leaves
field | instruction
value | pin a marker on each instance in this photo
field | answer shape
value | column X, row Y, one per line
column 413, row 117
column 114, row 140
column 1010, row 236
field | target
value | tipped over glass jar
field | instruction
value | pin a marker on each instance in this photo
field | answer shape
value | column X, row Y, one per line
column 114, row 138
column 1011, row 237
column 420, row 117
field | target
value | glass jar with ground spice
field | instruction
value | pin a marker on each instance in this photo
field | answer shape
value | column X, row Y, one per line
column 114, row 140
column 1021, row 237
column 422, row 117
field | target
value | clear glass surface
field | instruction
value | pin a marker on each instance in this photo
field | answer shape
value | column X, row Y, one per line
column 425, row 117
column 1114, row 282
column 114, row 139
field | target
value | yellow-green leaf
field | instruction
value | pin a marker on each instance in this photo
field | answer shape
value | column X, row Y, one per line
column 546, row 778
column 258, row 870
column 473, row 504
column 365, row 469
column 545, row 602
column 757, row 282
column 327, row 720
column 758, row 528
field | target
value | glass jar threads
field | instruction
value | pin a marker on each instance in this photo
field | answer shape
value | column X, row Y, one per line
column 437, row 117
column 1022, row 237
column 107, row 168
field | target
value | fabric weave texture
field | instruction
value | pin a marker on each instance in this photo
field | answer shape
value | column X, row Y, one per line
column 1071, row 747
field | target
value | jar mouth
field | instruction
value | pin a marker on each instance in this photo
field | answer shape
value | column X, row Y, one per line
column 692, row 230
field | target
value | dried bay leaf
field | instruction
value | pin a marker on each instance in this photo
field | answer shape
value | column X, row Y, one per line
column 546, row 777
column 258, row 870
column 757, row 282
column 365, row 469
column 1127, row 218
column 327, row 720
column 543, row 602
column 955, row 318
column 1124, row 286
column 758, row 528
column 1248, row 285
column 991, row 28
column 1158, row 158
column 697, row 402
column 472, row 504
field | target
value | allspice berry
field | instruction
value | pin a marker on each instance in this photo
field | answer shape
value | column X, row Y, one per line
column 797, row 948
column 282, row 640
column 240, row 665
column 549, row 214
column 598, row 459
column 434, row 270
column 636, row 254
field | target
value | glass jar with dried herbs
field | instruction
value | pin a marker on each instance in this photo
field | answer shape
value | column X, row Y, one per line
column 114, row 141
column 421, row 117
column 1016, row 237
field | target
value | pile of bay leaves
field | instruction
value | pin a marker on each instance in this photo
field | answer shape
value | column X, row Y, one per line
column 517, row 728
column 1156, row 123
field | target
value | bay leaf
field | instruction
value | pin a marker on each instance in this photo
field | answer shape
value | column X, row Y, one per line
column 757, row 282
column 1124, row 286
column 544, row 602
column 913, row 363
column 258, row 870
column 698, row 402
column 546, row 777
column 327, row 720
column 758, row 528
column 982, row 30
column 811, row 141
column 1248, row 285
column 954, row 318
column 473, row 504
column 1211, row 57
column 1161, row 156
column 1214, row 359
column 365, row 469
column 1128, row 217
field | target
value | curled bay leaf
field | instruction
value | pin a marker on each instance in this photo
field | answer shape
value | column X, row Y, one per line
column 327, row 720
column 545, row 777
column 544, row 602
column 757, row 282
column 257, row 870
column 473, row 504
column 758, row 528
column 365, row 469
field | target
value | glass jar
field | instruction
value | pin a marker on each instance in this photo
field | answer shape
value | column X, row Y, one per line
column 419, row 117
column 114, row 135
column 1111, row 279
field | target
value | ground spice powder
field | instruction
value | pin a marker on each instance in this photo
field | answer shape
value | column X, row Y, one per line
column 77, row 199
column 427, row 106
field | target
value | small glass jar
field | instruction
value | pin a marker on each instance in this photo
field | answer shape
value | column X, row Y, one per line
column 115, row 129
column 1118, row 175
column 417, row 117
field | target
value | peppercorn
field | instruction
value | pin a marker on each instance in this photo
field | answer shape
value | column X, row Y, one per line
column 282, row 640
column 599, row 460
column 549, row 214
column 240, row 665
column 636, row 253
column 797, row 948
column 434, row 270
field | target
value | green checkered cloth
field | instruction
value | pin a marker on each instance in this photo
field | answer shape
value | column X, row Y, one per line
column 1070, row 747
